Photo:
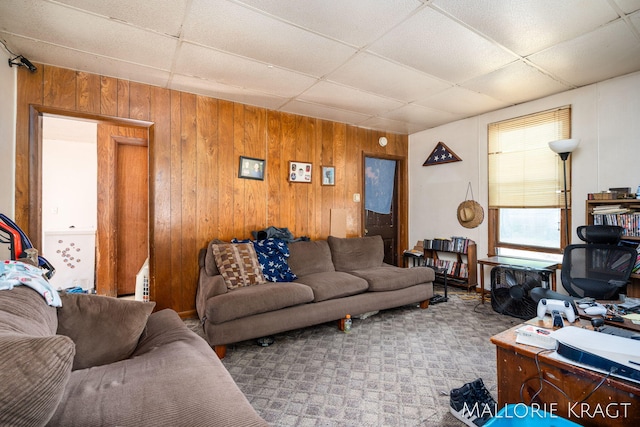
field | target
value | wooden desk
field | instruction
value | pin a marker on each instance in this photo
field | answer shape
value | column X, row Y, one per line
column 615, row 403
column 517, row 262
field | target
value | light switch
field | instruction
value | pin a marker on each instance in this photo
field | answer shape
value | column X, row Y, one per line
column 356, row 197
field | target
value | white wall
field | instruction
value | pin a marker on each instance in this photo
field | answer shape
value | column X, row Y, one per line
column 8, row 81
column 69, row 184
column 605, row 116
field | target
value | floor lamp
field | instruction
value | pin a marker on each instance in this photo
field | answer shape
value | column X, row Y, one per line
column 564, row 147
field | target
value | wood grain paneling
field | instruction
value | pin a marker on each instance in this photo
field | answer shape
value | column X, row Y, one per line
column 194, row 148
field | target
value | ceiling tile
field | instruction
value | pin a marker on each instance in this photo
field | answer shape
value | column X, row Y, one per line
column 347, row 98
column 628, row 6
column 158, row 15
column 124, row 42
column 323, row 112
column 355, row 22
column 516, row 83
column 456, row 57
column 462, row 101
column 424, row 116
column 225, row 92
column 610, row 51
column 74, row 60
column 526, row 27
column 233, row 70
column 389, row 125
column 378, row 75
column 269, row 40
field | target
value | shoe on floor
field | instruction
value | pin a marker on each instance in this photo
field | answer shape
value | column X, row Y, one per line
column 483, row 396
column 472, row 403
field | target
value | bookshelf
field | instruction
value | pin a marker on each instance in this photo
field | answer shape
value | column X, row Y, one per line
column 622, row 212
column 457, row 255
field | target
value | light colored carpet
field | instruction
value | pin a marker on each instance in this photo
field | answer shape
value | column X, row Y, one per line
column 395, row 368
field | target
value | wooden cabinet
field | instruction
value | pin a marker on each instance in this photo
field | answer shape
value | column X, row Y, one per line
column 622, row 212
column 458, row 256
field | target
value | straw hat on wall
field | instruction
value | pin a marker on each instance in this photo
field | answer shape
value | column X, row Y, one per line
column 470, row 214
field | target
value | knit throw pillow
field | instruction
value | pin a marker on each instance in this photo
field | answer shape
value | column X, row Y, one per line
column 238, row 264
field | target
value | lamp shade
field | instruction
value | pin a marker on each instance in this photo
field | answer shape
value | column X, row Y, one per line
column 564, row 145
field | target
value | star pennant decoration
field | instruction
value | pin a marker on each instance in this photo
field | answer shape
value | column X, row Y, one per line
column 441, row 154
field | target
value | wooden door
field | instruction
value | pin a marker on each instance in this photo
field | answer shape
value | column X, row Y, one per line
column 123, row 208
column 382, row 222
column 132, row 212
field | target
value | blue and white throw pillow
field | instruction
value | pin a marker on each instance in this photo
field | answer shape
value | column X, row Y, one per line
column 272, row 256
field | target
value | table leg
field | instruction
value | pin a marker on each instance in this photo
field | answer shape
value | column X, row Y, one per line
column 482, row 283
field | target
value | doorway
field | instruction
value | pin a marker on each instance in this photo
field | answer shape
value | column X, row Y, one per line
column 120, row 218
column 381, row 203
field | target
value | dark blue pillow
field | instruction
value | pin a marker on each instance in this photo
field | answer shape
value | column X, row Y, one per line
column 272, row 256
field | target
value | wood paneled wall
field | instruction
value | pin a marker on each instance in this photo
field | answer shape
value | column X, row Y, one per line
column 194, row 148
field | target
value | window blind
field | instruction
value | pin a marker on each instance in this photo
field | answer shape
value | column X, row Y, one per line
column 523, row 171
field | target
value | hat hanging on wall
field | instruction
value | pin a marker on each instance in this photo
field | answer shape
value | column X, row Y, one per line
column 470, row 213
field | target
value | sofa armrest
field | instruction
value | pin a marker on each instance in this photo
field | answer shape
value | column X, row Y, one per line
column 208, row 287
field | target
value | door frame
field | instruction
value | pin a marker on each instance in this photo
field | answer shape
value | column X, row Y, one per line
column 402, row 183
column 36, row 113
column 106, row 244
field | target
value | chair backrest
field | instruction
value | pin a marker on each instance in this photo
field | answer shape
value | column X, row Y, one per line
column 606, row 234
column 596, row 270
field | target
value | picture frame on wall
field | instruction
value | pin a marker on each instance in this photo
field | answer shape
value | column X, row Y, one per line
column 251, row 168
column 300, row 172
column 328, row 175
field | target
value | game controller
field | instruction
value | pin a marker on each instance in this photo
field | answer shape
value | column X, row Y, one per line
column 596, row 310
column 550, row 305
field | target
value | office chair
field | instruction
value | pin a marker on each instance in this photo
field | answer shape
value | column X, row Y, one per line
column 598, row 268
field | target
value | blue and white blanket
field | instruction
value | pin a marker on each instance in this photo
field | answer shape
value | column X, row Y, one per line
column 272, row 256
column 15, row 273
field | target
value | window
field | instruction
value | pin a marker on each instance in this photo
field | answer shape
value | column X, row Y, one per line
column 526, row 182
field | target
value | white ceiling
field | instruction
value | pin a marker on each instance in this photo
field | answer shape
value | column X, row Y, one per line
column 395, row 65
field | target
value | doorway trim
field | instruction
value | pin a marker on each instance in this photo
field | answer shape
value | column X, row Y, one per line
column 402, row 199
column 36, row 113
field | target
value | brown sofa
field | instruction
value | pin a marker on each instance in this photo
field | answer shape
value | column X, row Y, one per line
column 100, row 361
column 336, row 277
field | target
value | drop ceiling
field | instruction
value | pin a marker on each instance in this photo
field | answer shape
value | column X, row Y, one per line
column 399, row 66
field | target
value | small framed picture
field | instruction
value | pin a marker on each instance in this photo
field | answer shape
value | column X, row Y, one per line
column 328, row 175
column 300, row 172
column 251, row 168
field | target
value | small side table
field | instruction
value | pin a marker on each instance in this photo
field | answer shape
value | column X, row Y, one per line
column 417, row 259
column 519, row 262
column 436, row 299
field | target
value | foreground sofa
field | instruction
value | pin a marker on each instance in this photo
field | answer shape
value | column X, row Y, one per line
column 100, row 361
column 335, row 277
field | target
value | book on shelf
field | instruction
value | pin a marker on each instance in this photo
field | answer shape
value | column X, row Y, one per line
column 414, row 252
column 454, row 244
column 630, row 222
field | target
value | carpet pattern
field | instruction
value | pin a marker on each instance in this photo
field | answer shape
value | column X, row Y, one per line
column 395, row 368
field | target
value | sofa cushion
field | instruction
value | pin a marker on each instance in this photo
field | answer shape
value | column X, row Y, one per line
column 359, row 253
column 247, row 301
column 173, row 379
column 333, row 284
column 238, row 264
column 309, row 257
column 104, row 329
column 34, row 371
column 390, row 278
column 23, row 310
